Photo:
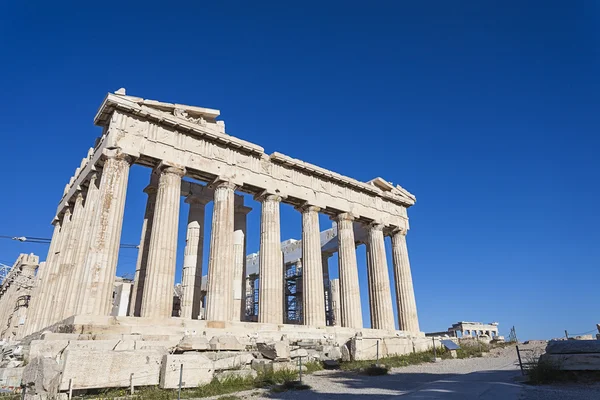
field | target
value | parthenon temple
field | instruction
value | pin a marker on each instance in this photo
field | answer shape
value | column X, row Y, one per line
column 283, row 288
column 179, row 141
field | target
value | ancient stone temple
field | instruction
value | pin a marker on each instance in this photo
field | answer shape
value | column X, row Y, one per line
column 178, row 141
column 74, row 289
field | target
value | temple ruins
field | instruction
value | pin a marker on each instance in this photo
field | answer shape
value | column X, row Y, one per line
column 281, row 293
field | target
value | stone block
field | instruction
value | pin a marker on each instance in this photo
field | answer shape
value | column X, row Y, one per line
column 192, row 342
column 197, row 370
column 298, row 353
column 262, row 365
column 573, row 362
column 278, row 351
column 91, row 369
column 235, row 362
column 364, row 348
column 573, row 346
column 397, row 346
column 42, row 375
column 240, row 373
column 333, row 353
column 46, row 348
column 225, row 342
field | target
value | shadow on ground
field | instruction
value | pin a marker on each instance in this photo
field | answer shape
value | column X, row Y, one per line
column 476, row 385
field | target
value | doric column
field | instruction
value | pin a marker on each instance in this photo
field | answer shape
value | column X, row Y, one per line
column 326, row 287
column 313, row 296
column 90, row 208
column 157, row 297
column 219, row 296
column 139, row 279
column 270, row 289
column 36, row 319
column 191, row 278
column 239, row 271
column 51, row 313
column 103, row 254
column 350, row 308
column 335, row 302
column 382, row 314
column 65, row 299
column 405, row 293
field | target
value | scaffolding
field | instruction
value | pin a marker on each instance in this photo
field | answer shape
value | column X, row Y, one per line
column 293, row 293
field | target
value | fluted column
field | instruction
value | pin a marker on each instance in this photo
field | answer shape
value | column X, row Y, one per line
column 239, row 270
column 219, row 296
column 313, row 296
column 191, row 278
column 90, row 208
column 405, row 293
column 382, row 314
column 36, row 319
column 326, row 287
column 335, row 302
column 157, row 297
column 51, row 313
column 103, row 253
column 270, row 289
column 350, row 308
column 65, row 300
column 139, row 279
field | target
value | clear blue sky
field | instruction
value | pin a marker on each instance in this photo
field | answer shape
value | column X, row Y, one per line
column 487, row 111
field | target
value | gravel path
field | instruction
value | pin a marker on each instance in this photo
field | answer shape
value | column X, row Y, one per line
column 495, row 377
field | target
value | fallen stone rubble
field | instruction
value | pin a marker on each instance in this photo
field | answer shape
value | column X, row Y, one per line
column 57, row 361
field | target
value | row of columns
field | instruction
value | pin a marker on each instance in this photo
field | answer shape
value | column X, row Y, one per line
column 80, row 268
column 82, row 259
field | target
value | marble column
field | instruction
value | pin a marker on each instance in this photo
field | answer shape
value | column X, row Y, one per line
column 141, row 265
column 191, row 279
column 35, row 322
column 270, row 289
column 382, row 314
column 239, row 272
column 335, row 302
column 66, row 300
column 157, row 296
column 326, row 287
column 313, row 296
column 90, row 207
column 405, row 294
column 105, row 237
column 350, row 308
column 219, row 296
column 51, row 313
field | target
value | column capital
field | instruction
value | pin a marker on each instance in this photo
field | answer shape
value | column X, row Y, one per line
column 168, row 168
column 345, row 216
column 118, row 154
column 304, row 208
column 375, row 226
column 397, row 230
column 267, row 196
column 222, row 184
